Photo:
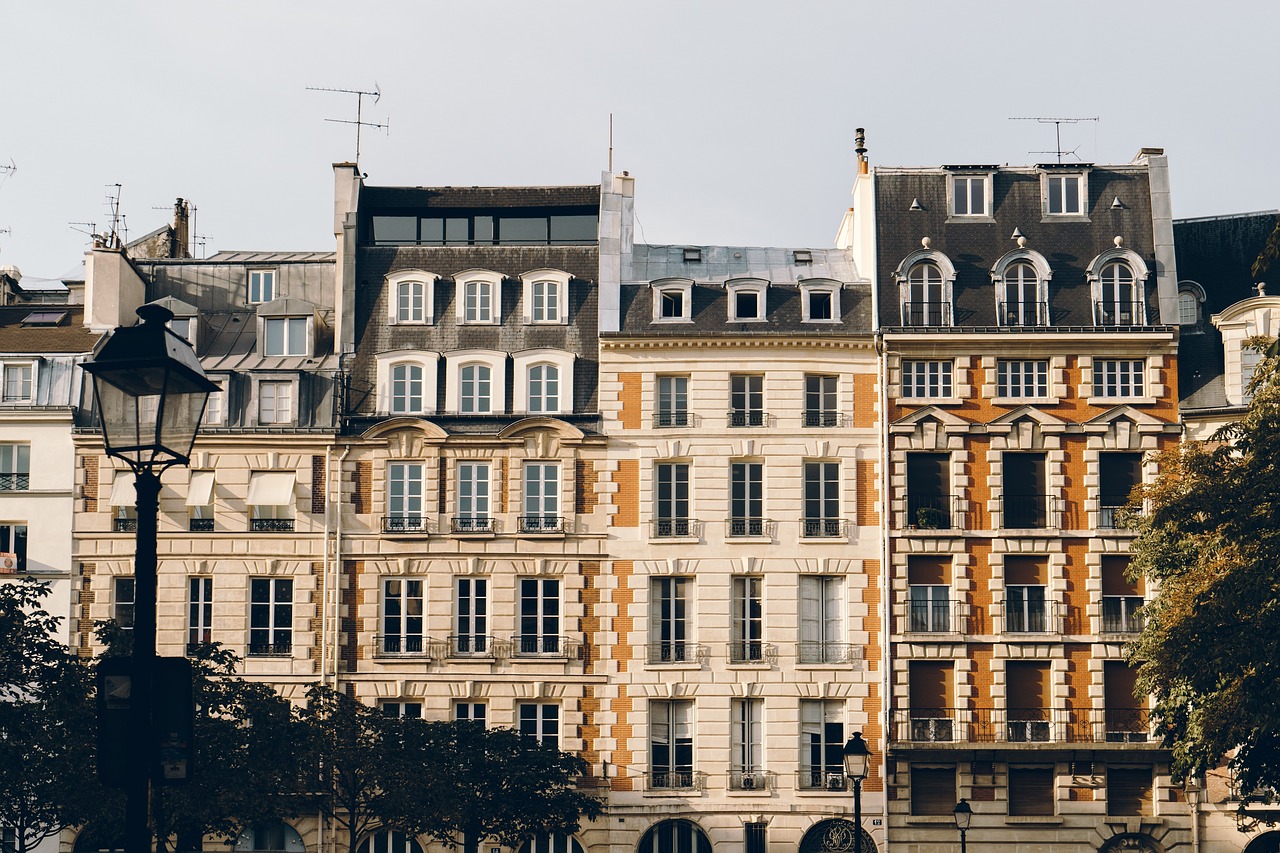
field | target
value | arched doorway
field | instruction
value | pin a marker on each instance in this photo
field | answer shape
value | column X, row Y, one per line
column 1267, row 842
column 675, row 836
column 270, row 836
column 835, row 836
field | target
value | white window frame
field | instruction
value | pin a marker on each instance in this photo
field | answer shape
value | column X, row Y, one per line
column 746, row 631
column 474, row 492
column 812, row 286
column 821, row 633
column 14, row 539
column 185, row 328
column 816, row 716
column 936, row 599
column 497, row 364
column 903, row 276
column 537, row 284
column 481, row 315
column 403, row 615
column 293, row 346
column 1048, row 177
column 540, row 618
column 1028, row 376
column 28, row 383
column 215, row 409
column 955, row 180
column 1191, row 291
column 1000, row 275
column 471, row 629
column 1095, row 271
column 539, row 720
column 671, row 723
column 676, row 413
column 1130, row 370
column 759, row 287
column 385, row 380
column 927, row 379
column 255, row 280
column 199, row 609
column 278, row 623
column 397, row 280
column 746, row 742
column 406, row 489
column 541, row 495
column 471, row 712
column 683, row 287
column 261, row 396
column 523, row 363
column 671, row 620
column 15, row 466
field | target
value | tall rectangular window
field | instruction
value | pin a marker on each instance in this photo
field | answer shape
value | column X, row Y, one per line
column 822, row 744
column 541, row 497
column 123, row 594
column 262, row 285
column 475, row 389
column 1118, row 475
column 1126, row 713
column 275, row 402
column 671, row 744
column 1129, row 791
column 539, row 617
column 933, row 790
column 470, row 712
column 478, row 307
column 671, row 514
column 1122, row 597
column 540, row 721
column 403, row 616
column 405, row 486
column 544, row 388
column 932, row 700
column 745, row 762
column 1026, row 583
column 927, row 379
column 15, row 467
column 471, row 617
column 473, row 497
column 1119, row 377
column 746, row 400
column 929, row 490
column 669, row 621
column 285, row 336
column 672, row 401
column 969, row 195
column 1064, row 195
column 821, row 500
column 1019, row 379
column 747, row 643
column 406, row 388
column 13, row 546
column 17, row 383
column 1250, row 358
column 199, row 611
column 929, row 585
column 546, row 302
column 746, row 499
column 1026, row 501
column 822, row 638
column 1029, row 694
column 821, row 408
column 410, row 302
column 270, row 616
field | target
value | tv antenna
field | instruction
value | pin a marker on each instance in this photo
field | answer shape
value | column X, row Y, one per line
column 1057, row 122
column 360, row 123
column 6, row 171
column 113, row 210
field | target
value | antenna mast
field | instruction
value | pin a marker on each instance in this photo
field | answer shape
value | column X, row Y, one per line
column 610, row 143
column 1057, row 122
column 360, row 94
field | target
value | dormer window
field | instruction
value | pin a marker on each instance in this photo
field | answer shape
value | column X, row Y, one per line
column 546, row 297
column 747, row 301
column 19, row 382
column 262, row 286
column 820, row 301
column 477, row 382
column 285, row 336
column 671, row 300
column 969, row 192
column 672, row 304
column 184, row 327
column 406, row 382
column 1064, row 193
column 411, row 297
column 479, row 297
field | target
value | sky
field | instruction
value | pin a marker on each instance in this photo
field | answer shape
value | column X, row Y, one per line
column 736, row 118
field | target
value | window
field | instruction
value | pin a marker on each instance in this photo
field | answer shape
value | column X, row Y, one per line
column 544, row 388
column 405, row 486
column 1250, row 357
column 1118, row 377
column 275, row 402
column 18, row 383
column 929, row 491
column 200, row 511
column 471, row 617
column 1118, row 475
column 539, row 617
column 672, row 300
column 746, row 400
column 821, row 408
column 540, row 721
column 747, row 644
column 1021, row 304
column 933, row 790
column 122, row 600
column 1031, row 790
column 262, row 285
column 475, row 393
column 406, row 389
column 1029, row 692
column 482, row 228
column 215, row 410
column 1129, row 790
column 1064, row 195
column 821, row 500
column 401, row 710
column 411, row 302
column 270, row 616
column 821, row 620
column 546, row 302
column 473, row 497
column 546, row 843
column 1026, row 580
column 927, row 379
column 546, row 296
column 969, row 195
column 746, row 499
column 1188, row 309
column 541, row 497
column 199, row 611
column 822, row 744
column 270, row 837
column 931, row 692
column 746, row 300
column 470, row 712
column 820, row 303
column 1127, row 718
column 674, row 836
column 284, row 336
column 671, row 304
column 672, row 402
column 1121, row 303
column 671, row 744
column 1122, row 597
column 403, row 616
column 271, row 501
column 745, row 739
column 1018, row 379
column 184, row 327
column 15, row 467
column 1026, row 502
column 924, row 305
column 390, row 840
column 13, row 548
column 929, row 585
column 478, row 302
column 671, row 515
column 669, row 621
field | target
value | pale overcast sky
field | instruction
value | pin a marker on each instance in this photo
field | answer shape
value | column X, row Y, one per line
column 737, row 118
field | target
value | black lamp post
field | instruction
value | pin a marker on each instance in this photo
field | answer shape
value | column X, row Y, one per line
column 150, row 394
column 857, row 763
column 963, row 813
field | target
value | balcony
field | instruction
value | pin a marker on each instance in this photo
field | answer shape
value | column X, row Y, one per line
column 1111, row 512
column 1122, row 614
column 672, row 528
column 823, row 419
column 1119, row 313
column 1127, row 725
column 667, row 420
column 1032, row 615
column 926, row 314
column 675, row 652
column 745, row 527
column 822, row 779
column 408, row 646
column 823, row 528
column 747, row 418
column 936, row 617
column 471, row 646
column 1023, row 313
column 547, row 647
column 750, row 780
column 1014, row 726
column 531, row 525
column 752, row 652
column 404, row 523
column 125, row 525
column 15, row 481
column 931, row 512
column 271, row 525
column 474, row 524
column 1032, row 512
column 200, row 525
column 271, row 650
column 675, row 780
column 819, row 651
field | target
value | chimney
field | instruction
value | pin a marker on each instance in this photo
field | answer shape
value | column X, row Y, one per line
column 860, row 148
column 181, row 241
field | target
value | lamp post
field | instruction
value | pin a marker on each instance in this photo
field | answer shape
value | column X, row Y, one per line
column 963, row 813
column 1192, row 788
column 857, row 763
column 150, row 394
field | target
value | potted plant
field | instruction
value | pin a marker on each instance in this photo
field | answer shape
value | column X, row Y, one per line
column 929, row 517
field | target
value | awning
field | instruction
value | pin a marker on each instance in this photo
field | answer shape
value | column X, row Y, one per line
column 200, row 492
column 122, row 491
column 271, row 488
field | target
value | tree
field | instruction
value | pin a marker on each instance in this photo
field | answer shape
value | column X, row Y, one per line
column 1210, row 651
column 47, row 780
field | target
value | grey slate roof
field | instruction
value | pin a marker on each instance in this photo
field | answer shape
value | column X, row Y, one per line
column 243, row 257
column 719, row 263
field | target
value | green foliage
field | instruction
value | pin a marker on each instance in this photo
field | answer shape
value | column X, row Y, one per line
column 1210, row 651
column 1270, row 252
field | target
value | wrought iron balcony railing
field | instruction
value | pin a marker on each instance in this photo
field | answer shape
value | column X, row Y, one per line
column 1118, row 313
column 750, row 780
column 277, row 650
column 200, row 525
column 926, row 313
column 1122, row 614
column 474, row 524
column 818, row 651
column 747, row 418
column 737, row 527
column 674, row 418
column 1023, row 313
column 15, row 481
column 529, row 524
column 931, row 512
column 829, row 778
column 408, row 645
column 823, row 528
column 125, row 525
column 752, row 651
column 675, row 780
column 1022, row 725
column 405, row 523
column 823, row 418
column 271, row 525
column 666, row 528
column 1032, row 512
column 547, row 647
column 675, row 652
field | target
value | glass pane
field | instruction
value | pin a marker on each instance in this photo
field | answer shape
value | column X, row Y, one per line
column 483, row 226
column 457, row 230
column 523, row 230
column 394, row 229
column 574, row 229
column 432, row 231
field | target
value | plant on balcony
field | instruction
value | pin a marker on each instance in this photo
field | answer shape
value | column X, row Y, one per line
column 929, row 517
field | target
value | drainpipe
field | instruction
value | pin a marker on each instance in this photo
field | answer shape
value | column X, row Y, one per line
column 886, row 607
column 336, row 506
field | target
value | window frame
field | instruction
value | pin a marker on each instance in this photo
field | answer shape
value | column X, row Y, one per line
column 676, row 411
column 682, row 287
column 29, row 382
column 474, row 641
column 385, row 381
column 673, row 491
column 124, row 596
column 395, row 281
column 294, row 344
column 523, row 365
column 822, row 737
column 1109, row 388
column 395, row 611
column 671, row 623
column 495, row 361
column 1048, row 176
column 539, row 720
column 488, row 286
column 403, row 478
column 954, row 179
column 255, row 294
column 260, row 398
column 480, row 492
column 939, row 372
column 758, row 287
column 278, row 609
column 746, row 741
column 672, row 724
column 903, row 274
column 199, row 610
column 746, row 619
column 1038, row 369
column 746, row 400
column 559, row 282
column 821, row 636
column 15, row 466
column 810, row 287
column 540, row 618
column 534, row 501
column 816, row 390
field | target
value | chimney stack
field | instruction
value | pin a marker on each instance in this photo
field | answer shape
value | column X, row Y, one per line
column 860, row 143
column 181, row 241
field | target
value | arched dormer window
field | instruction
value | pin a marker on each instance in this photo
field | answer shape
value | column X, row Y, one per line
column 1191, row 298
column 411, row 297
column 477, row 382
column 1117, row 279
column 747, row 299
column 925, row 280
column 1021, row 280
column 478, row 297
column 820, row 300
column 406, row 382
column 546, row 297
column 672, row 300
column 543, row 381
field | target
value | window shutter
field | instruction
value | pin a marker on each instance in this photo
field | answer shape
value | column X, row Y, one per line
column 833, row 625
column 1031, row 791
column 1129, row 791
column 933, row 790
column 810, row 610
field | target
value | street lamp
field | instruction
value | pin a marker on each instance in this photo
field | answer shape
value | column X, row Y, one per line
column 963, row 813
column 150, row 394
column 857, row 763
column 1192, row 788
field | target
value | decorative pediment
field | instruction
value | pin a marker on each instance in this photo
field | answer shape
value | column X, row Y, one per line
column 1009, row 421
column 420, row 429
column 558, row 428
column 916, row 420
column 1144, row 422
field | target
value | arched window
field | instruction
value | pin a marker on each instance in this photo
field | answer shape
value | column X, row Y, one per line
column 1021, row 303
column 406, row 389
column 1121, row 303
column 924, row 305
column 675, row 836
column 1188, row 309
column 271, row 836
column 410, row 302
column 475, row 390
column 544, row 388
column 551, row 844
column 478, row 302
column 390, row 841
column 835, row 836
